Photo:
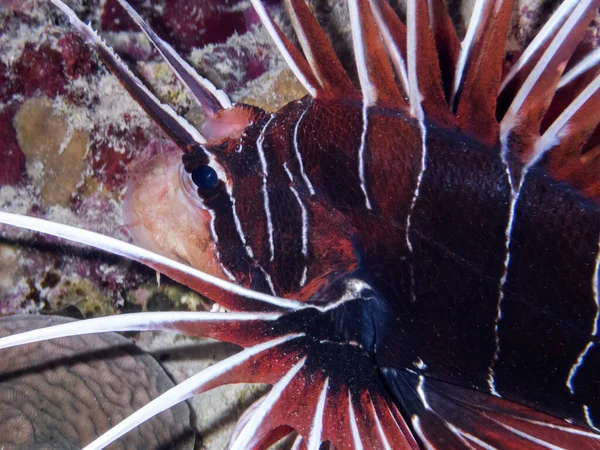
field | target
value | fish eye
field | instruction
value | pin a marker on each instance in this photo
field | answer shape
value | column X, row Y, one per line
column 205, row 178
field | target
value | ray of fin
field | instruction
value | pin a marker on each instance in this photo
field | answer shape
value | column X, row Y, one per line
column 298, row 443
column 178, row 129
column 239, row 328
column 571, row 85
column 260, row 442
column 207, row 379
column 521, row 123
column 590, row 63
column 393, row 33
column 316, row 430
column 336, row 420
column 181, row 273
column 208, row 97
column 325, row 64
column 570, row 132
column 374, row 70
column 295, row 60
column 397, row 434
column 479, row 70
column 538, row 45
column 450, row 416
column 254, row 424
column 401, row 423
column 371, row 433
column 446, row 42
column 321, row 416
column 382, row 433
column 356, row 438
column 424, row 74
column 473, row 31
column 281, row 408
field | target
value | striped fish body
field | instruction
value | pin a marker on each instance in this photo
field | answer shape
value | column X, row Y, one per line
column 438, row 259
column 413, row 264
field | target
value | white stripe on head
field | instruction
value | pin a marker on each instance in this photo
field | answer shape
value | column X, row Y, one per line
column 299, row 155
column 265, row 176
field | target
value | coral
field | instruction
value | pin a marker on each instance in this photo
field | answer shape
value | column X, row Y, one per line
column 55, row 153
column 105, row 379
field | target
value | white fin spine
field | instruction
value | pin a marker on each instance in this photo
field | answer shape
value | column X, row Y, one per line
column 155, row 321
column 198, row 86
column 183, row 131
column 542, row 37
column 294, row 60
column 253, row 425
column 183, row 391
column 139, row 254
column 552, row 136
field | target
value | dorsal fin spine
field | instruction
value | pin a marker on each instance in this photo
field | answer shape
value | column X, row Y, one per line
column 325, row 64
column 541, row 72
column 293, row 58
column 376, row 74
column 383, row 16
column 551, row 137
column 175, row 270
column 467, row 43
column 590, row 62
column 203, row 91
column 178, row 128
column 554, row 23
column 414, row 94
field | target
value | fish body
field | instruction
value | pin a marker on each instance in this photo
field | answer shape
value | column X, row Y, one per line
column 409, row 265
column 443, row 277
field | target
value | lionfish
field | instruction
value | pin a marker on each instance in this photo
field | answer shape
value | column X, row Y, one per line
column 412, row 262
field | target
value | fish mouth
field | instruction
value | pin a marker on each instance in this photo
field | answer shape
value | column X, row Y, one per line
column 159, row 197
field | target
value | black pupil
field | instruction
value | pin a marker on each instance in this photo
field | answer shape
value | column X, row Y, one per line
column 205, row 177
